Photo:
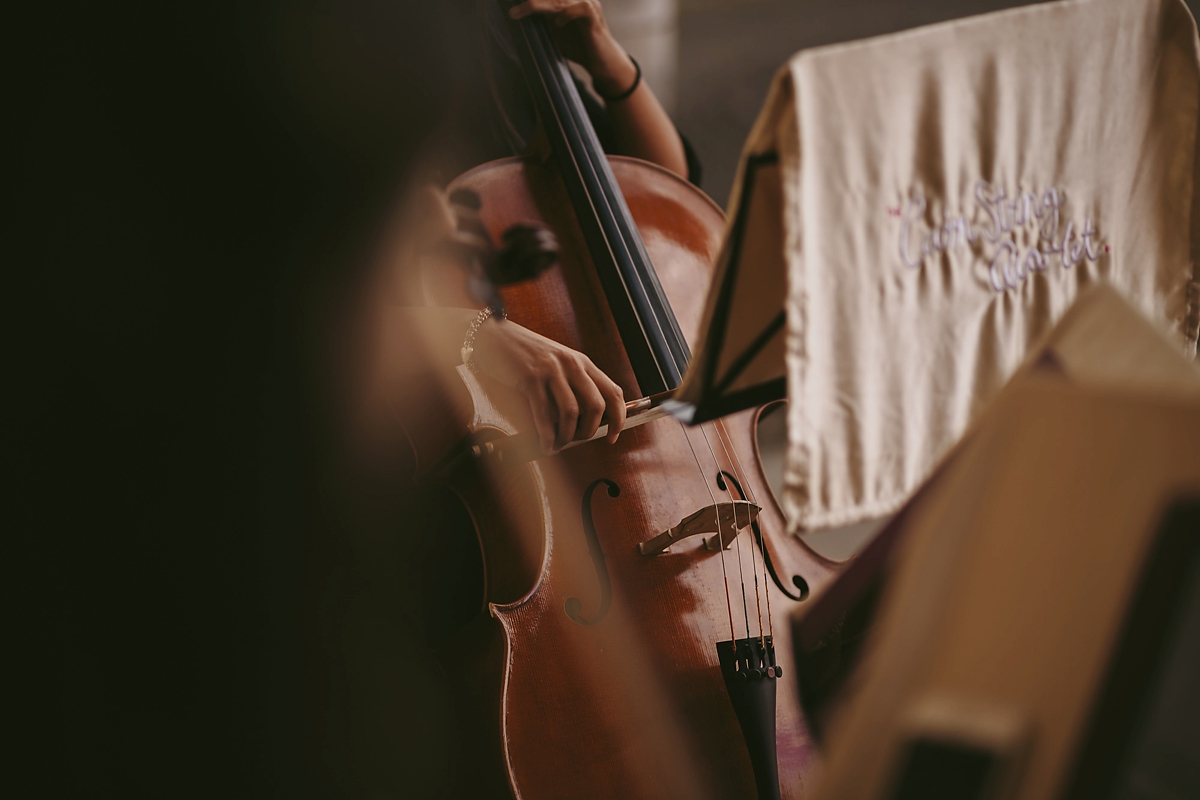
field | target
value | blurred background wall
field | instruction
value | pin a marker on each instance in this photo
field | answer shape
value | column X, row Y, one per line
column 649, row 29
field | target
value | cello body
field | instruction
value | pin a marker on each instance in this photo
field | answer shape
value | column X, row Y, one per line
column 592, row 669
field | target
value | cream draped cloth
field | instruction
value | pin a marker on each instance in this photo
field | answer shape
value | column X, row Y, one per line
column 946, row 193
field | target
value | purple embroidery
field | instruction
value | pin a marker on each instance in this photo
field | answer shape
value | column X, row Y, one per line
column 1009, row 267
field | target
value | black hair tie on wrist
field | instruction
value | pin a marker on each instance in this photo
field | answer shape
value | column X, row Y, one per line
column 637, row 79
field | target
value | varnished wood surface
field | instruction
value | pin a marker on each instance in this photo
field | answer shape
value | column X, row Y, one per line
column 633, row 706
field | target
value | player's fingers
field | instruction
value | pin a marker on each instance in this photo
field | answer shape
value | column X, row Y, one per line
column 614, row 401
column 567, row 407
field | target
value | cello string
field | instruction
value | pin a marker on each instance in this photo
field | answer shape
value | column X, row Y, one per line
column 737, row 539
column 700, row 469
column 587, row 162
column 762, row 544
column 766, row 589
column 754, row 564
column 720, row 537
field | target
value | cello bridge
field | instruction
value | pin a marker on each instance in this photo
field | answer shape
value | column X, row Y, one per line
column 724, row 520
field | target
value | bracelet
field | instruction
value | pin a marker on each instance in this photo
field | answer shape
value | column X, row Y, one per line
column 637, row 80
column 468, row 348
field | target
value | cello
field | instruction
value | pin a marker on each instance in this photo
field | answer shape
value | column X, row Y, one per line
column 633, row 641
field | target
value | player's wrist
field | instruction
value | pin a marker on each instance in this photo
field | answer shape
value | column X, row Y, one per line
column 609, row 64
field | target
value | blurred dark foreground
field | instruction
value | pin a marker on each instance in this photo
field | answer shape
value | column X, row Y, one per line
column 196, row 189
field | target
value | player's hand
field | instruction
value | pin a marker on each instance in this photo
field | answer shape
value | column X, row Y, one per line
column 567, row 393
column 583, row 36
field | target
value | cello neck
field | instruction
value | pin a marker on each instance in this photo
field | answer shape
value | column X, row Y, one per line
column 649, row 331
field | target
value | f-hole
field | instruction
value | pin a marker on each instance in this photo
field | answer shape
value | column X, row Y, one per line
column 574, row 606
column 800, row 592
